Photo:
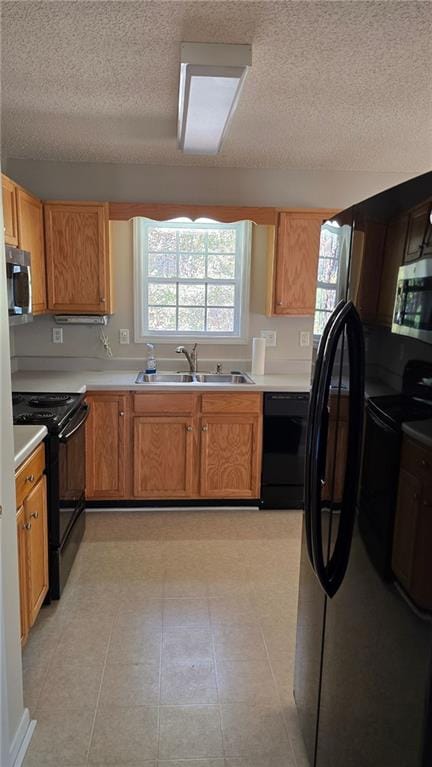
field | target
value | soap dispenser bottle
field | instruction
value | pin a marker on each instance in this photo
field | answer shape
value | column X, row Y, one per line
column 151, row 359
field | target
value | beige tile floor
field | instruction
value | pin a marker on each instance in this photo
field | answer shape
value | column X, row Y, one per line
column 172, row 646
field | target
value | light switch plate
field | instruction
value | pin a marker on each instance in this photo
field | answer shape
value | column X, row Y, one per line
column 124, row 335
column 270, row 337
column 57, row 335
column 304, row 338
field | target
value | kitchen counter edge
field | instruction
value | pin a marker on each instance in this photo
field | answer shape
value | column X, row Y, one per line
column 26, row 440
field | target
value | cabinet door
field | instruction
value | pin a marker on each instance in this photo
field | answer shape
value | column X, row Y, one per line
column 417, row 230
column 406, row 523
column 9, row 211
column 392, row 260
column 77, row 257
column 106, row 434
column 371, row 266
column 230, row 456
column 31, row 238
column 297, row 250
column 22, row 571
column 163, row 456
column 35, row 508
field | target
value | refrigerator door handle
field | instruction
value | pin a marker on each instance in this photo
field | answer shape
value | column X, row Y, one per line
column 310, row 435
column 331, row 574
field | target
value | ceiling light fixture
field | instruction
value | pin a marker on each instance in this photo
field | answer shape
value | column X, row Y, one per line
column 211, row 78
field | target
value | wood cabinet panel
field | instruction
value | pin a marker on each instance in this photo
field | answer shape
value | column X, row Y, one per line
column 298, row 241
column 77, row 257
column 37, row 541
column 370, row 269
column 9, row 211
column 106, row 444
column 165, row 403
column 418, row 225
column 163, row 457
column 29, row 474
column 240, row 402
column 393, row 255
column 22, row 572
column 408, row 506
column 31, row 238
column 230, row 456
column 416, row 459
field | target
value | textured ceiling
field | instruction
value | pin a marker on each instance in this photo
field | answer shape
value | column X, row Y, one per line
column 340, row 85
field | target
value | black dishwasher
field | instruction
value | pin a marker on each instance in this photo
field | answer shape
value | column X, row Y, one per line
column 284, row 444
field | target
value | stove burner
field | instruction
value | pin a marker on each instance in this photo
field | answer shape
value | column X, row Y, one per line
column 53, row 400
column 17, row 398
column 43, row 417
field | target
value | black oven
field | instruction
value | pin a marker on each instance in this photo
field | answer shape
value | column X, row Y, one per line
column 413, row 303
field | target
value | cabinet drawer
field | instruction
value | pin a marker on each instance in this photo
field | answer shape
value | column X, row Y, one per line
column 416, row 459
column 164, row 403
column 29, row 473
column 231, row 403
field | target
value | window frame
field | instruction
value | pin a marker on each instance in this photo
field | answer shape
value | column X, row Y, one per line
column 143, row 334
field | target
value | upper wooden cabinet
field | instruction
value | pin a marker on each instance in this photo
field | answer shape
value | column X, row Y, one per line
column 31, row 238
column 106, row 444
column 418, row 241
column 293, row 265
column 78, row 257
column 9, row 211
column 393, row 255
column 367, row 255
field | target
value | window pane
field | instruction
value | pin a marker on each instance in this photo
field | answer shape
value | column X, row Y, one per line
column 320, row 322
column 191, row 319
column 192, row 240
column 162, row 239
column 161, row 318
column 326, row 299
column 191, row 295
column 162, row 265
column 162, row 294
column 221, row 267
column 221, row 320
column 220, row 295
column 328, row 270
column 191, row 266
column 221, row 240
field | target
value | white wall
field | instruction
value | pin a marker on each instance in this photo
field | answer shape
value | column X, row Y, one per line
column 14, row 719
column 220, row 186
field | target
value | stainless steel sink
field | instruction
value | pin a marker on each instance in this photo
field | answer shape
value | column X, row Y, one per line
column 197, row 378
column 155, row 378
column 221, row 378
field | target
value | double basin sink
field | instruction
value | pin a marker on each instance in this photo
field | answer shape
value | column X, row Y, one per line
column 194, row 378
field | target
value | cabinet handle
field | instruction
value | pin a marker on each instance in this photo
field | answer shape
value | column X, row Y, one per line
column 34, row 515
column 102, row 298
column 27, row 526
column 121, row 412
column 204, row 428
column 189, row 428
column 30, row 478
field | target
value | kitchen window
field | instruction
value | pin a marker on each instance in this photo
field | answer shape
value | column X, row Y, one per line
column 334, row 247
column 191, row 280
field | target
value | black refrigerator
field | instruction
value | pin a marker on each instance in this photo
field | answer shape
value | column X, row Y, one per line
column 363, row 667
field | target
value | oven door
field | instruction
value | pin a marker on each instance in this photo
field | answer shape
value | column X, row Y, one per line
column 72, row 470
column 413, row 304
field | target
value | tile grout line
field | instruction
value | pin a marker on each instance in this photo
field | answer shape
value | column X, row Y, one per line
column 100, row 685
column 160, row 667
column 279, row 696
column 224, row 756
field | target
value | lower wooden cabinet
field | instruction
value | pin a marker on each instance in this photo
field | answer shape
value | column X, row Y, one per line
column 106, row 444
column 163, row 457
column 32, row 535
column 412, row 541
column 173, row 445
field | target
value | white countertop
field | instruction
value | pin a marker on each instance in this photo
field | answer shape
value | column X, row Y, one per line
column 26, row 439
column 419, row 430
column 79, row 382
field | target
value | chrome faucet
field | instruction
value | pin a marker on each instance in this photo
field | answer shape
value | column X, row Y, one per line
column 191, row 357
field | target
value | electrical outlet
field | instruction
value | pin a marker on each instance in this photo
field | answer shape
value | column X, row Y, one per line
column 57, row 335
column 124, row 335
column 304, row 338
column 270, row 337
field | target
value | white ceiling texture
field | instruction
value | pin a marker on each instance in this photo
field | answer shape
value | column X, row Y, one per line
column 333, row 85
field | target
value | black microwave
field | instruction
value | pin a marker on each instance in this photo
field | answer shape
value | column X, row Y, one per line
column 19, row 293
column 412, row 315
